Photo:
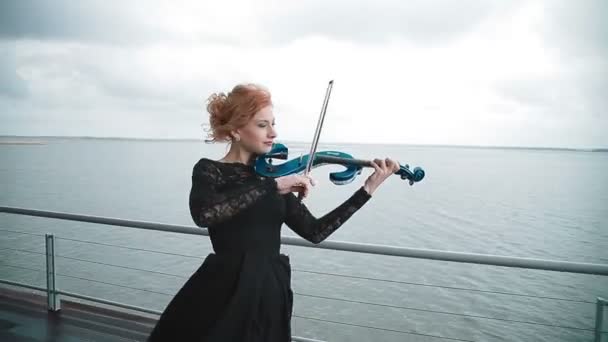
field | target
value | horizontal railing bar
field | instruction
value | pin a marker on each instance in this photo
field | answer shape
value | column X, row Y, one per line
column 106, row 220
column 382, row 329
column 120, row 266
column 21, row 250
column 109, row 302
column 199, row 257
column 442, row 312
column 471, row 258
column 22, row 267
column 114, row 284
column 27, row 286
column 444, row 286
column 19, row 232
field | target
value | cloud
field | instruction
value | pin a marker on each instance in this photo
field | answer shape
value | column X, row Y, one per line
column 64, row 74
column 450, row 72
column 268, row 22
column 421, row 22
column 571, row 95
column 11, row 84
column 137, row 22
column 572, row 80
column 74, row 20
column 577, row 28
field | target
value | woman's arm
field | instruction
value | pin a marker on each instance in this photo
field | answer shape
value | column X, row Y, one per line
column 209, row 206
column 315, row 230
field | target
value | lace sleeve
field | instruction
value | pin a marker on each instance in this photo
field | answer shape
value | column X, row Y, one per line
column 315, row 230
column 210, row 205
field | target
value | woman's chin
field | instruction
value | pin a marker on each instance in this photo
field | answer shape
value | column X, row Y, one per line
column 263, row 149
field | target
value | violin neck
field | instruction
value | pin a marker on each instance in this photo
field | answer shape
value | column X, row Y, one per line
column 342, row 161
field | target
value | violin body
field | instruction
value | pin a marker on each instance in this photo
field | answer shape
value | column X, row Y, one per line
column 264, row 165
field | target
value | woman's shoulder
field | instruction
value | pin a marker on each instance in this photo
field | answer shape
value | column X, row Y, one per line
column 209, row 166
column 206, row 161
column 205, row 165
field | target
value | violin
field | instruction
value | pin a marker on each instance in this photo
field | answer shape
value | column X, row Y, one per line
column 264, row 165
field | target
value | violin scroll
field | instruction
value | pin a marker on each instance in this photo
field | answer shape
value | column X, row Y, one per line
column 413, row 176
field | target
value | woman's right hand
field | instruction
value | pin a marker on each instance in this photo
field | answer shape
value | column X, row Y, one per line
column 295, row 183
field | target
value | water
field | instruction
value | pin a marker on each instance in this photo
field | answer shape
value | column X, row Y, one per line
column 548, row 204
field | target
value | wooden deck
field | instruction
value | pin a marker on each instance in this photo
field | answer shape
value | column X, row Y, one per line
column 24, row 318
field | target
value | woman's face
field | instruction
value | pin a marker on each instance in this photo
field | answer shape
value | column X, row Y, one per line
column 259, row 133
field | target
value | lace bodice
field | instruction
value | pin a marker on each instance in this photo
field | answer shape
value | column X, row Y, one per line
column 225, row 195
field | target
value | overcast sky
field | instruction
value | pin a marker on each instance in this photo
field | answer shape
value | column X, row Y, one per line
column 472, row 72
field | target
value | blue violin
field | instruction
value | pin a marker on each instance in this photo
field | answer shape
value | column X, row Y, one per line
column 264, row 165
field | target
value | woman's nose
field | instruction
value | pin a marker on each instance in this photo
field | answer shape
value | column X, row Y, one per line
column 273, row 133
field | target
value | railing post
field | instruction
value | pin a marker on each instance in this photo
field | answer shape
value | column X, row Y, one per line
column 53, row 300
column 599, row 318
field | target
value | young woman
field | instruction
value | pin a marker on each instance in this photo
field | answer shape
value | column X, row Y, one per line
column 242, row 291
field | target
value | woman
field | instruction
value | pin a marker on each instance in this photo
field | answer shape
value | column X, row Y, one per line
column 242, row 291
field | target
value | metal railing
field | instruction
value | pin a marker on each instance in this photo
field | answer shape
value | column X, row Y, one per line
column 599, row 318
column 53, row 293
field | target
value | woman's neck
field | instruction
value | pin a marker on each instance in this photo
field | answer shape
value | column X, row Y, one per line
column 238, row 155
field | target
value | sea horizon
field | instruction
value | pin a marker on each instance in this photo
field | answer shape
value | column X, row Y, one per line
column 117, row 138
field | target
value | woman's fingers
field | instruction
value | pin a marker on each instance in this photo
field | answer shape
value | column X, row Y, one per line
column 295, row 183
column 303, row 185
column 375, row 165
column 312, row 181
column 392, row 165
column 386, row 166
column 305, row 190
column 308, row 184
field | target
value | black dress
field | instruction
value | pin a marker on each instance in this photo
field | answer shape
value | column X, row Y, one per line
column 242, row 291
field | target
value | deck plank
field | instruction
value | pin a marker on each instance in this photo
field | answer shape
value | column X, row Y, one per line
column 24, row 318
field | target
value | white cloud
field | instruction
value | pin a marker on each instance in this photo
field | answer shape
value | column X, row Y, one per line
column 471, row 72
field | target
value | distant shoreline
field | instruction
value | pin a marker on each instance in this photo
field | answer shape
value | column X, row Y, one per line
column 29, row 140
column 22, row 142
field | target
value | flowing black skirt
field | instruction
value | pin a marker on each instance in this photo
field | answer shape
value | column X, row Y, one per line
column 241, row 297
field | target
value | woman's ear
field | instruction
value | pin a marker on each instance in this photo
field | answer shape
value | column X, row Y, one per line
column 235, row 135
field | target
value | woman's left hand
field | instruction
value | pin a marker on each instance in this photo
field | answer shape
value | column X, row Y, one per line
column 384, row 168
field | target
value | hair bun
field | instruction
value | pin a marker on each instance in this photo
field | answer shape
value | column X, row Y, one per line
column 232, row 110
column 215, row 107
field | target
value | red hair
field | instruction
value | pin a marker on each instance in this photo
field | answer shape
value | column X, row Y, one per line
column 234, row 110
